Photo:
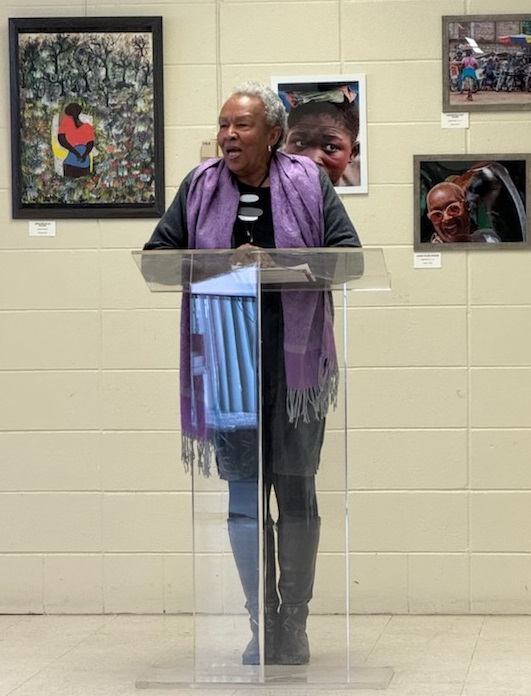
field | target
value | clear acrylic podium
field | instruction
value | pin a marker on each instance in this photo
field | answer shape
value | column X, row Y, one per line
column 226, row 293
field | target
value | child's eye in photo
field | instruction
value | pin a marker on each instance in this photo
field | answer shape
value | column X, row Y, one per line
column 298, row 141
column 332, row 148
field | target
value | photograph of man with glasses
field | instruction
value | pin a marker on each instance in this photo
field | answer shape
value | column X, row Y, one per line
column 470, row 202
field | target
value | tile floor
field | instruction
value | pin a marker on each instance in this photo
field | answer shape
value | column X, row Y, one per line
column 107, row 655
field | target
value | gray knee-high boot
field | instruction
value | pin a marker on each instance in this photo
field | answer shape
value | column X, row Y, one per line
column 298, row 541
column 243, row 535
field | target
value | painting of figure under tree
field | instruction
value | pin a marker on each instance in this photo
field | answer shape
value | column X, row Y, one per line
column 73, row 142
column 87, row 128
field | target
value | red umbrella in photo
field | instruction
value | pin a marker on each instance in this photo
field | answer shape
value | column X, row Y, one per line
column 515, row 40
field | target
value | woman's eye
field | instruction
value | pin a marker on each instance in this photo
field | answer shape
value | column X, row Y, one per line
column 331, row 148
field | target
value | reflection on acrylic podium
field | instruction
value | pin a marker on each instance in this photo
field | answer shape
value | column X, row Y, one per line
column 236, row 639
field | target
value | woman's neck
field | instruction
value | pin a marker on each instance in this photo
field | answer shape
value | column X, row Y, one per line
column 256, row 180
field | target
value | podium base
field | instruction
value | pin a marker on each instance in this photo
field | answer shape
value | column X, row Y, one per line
column 217, row 662
column 274, row 677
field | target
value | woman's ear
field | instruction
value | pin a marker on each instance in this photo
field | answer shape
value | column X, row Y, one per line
column 274, row 136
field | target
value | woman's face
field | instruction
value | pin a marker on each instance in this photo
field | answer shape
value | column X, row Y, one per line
column 325, row 141
column 244, row 137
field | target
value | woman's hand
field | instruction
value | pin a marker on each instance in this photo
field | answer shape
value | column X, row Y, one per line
column 246, row 255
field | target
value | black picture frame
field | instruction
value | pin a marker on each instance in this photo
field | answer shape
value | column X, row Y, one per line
column 94, row 80
column 494, row 201
column 501, row 45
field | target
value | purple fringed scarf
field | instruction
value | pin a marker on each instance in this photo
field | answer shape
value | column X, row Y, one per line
column 309, row 347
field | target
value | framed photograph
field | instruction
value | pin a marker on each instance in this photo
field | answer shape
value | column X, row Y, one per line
column 327, row 121
column 471, row 201
column 87, row 117
column 486, row 62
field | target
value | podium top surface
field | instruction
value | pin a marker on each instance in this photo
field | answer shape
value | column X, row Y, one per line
column 238, row 271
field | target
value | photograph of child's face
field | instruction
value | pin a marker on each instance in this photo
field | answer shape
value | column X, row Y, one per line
column 326, row 140
column 326, row 122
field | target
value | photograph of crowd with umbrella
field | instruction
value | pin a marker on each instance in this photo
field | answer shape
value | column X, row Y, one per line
column 487, row 63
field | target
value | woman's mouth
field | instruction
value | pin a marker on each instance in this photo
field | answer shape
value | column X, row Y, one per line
column 232, row 152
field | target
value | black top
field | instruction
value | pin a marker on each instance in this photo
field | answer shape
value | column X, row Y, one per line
column 257, row 229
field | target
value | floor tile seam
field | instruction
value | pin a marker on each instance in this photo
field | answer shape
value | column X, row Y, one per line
column 378, row 639
column 60, row 657
column 471, row 661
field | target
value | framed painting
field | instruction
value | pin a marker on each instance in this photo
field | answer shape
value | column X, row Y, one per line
column 87, row 117
column 327, row 122
column 486, row 62
column 471, row 201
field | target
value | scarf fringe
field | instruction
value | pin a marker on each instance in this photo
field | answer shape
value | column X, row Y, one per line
column 195, row 451
column 314, row 403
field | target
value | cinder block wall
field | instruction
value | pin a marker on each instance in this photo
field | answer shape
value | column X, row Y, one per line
column 95, row 509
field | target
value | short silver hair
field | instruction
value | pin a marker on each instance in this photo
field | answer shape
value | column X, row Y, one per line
column 275, row 112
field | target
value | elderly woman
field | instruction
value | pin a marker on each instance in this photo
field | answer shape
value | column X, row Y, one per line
column 297, row 207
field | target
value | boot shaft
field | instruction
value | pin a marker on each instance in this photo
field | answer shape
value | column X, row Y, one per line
column 243, row 535
column 298, row 542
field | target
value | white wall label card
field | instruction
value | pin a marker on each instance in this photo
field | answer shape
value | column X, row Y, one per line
column 425, row 260
column 454, row 120
column 42, row 228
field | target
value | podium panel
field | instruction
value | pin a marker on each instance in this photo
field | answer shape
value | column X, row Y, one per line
column 271, row 536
